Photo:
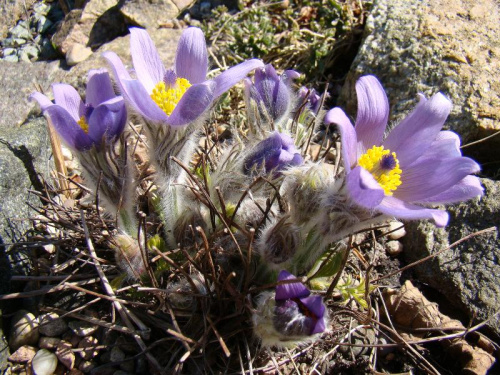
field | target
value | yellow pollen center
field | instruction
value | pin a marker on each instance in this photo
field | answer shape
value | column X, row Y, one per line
column 388, row 178
column 168, row 97
column 83, row 124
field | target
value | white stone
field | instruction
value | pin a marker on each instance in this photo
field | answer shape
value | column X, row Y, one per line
column 44, row 363
column 393, row 247
column 398, row 233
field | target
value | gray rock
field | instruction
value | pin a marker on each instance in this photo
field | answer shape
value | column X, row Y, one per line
column 149, row 14
column 24, row 330
column 466, row 275
column 65, row 354
column 82, row 329
column 44, row 362
column 393, row 248
column 20, row 31
column 52, row 325
column 29, row 52
column 9, row 51
column 436, row 45
column 116, row 355
column 10, row 12
column 49, row 342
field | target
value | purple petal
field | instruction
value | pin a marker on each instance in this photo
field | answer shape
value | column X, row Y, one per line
column 116, row 65
column 68, row 98
column 287, row 142
column 297, row 160
column 136, row 95
column 392, row 206
column 292, row 290
column 431, row 176
column 315, row 305
column 414, row 135
column 347, row 136
column 191, row 61
column 373, row 112
column 289, row 75
column 446, row 145
column 42, row 100
column 67, row 128
column 363, row 188
column 267, row 151
column 108, row 118
column 232, row 76
column 468, row 188
column 195, row 101
column 147, row 63
column 99, row 88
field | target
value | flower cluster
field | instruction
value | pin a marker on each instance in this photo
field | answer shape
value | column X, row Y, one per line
column 262, row 185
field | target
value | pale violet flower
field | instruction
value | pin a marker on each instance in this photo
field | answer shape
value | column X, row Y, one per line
column 414, row 165
column 177, row 96
column 276, row 152
column 83, row 125
column 271, row 92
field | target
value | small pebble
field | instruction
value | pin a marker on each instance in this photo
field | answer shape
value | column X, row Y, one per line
column 77, row 53
column 398, row 233
column 44, row 362
column 51, row 325
column 86, row 366
column 393, row 248
column 116, row 355
column 24, row 330
column 24, row 354
column 82, row 328
column 65, row 354
column 88, row 344
column 49, row 342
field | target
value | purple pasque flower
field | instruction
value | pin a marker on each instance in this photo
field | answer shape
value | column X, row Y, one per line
column 271, row 92
column 175, row 96
column 312, row 97
column 414, row 165
column 83, row 125
column 276, row 152
column 296, row 312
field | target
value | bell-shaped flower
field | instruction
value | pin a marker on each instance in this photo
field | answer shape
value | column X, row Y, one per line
column 297, row 313
column 276, row 152
column 312, row 97
column 175, row 96
column 416, row 164
column 83, row 125
column 271, row 92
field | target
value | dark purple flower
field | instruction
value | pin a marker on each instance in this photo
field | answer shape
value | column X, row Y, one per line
column 175, row 96
column 271, row 92
column 415, row 164
column 276, row 152
column 83, row 125
column 297, row 313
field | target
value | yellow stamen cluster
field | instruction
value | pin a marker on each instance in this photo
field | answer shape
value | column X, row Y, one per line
column 168, row 97
column 389, row 179
column 83, row 124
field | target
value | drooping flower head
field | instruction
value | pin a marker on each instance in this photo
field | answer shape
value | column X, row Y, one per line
column 271, row 92
column 297, row 313
column 83, row 125
column 276, row 152
column 312, row 97
column 414, row 165
column 176, row 96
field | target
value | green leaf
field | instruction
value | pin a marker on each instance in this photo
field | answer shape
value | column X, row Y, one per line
column 328, row 265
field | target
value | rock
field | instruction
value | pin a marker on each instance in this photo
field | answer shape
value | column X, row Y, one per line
column 9, row 51
column 24, row 354
column 466, row 275
column 77, row 53
column 149, row 14
column 398, row 228
column 82, row 329
column 436, row 45
column 98, row 23
column 10, row 12
column 24, row 330
column 393, row 248
column 20, row 31
column 65, row 354
column 88, row 344
column 49, row 342
column 362, row 336
column 29, row 52
column 44, row 362
column 11, row 58
column 183, row 4
column 52, row 325
column 116, row 355
column 86, row 366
